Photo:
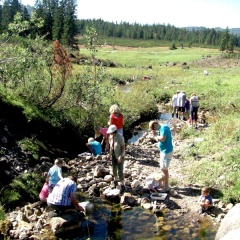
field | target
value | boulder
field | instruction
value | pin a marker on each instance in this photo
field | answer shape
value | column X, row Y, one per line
column 87, row 206
column 64, row 223
column 127, row 199
column 230, row 225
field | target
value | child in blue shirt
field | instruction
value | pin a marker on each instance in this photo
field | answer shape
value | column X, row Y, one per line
column 54, row 174
column 94, row 146
column 205, row 200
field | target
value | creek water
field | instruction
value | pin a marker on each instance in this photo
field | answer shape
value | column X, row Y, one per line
column 110, row 222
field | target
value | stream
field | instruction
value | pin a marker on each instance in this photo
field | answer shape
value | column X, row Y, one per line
column 110, row 222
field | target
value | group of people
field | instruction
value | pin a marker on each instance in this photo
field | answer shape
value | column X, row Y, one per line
column 155, row 182
column 60, row 192
column 182, row 105
column 116, row 118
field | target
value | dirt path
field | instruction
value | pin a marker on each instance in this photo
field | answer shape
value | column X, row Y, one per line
column 183, row 195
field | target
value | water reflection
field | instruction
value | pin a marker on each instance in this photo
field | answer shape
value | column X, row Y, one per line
column 110, row 222
column 115, row 223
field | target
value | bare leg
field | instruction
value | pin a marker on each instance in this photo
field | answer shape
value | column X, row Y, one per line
column 166, row 178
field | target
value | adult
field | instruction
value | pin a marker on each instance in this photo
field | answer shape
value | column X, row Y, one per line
column 194, row 104
column 63, row 196
column 162, row 134
column 94, row 146
column 102, row 132
column 187, row 109
column 116, row 118
column 54, row 174
column 181, row 104
column 116, row 154
column 175, row 104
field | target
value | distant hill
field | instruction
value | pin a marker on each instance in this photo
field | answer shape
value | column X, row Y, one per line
column 231, row 30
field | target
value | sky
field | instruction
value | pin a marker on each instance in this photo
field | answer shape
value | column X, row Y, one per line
column 179, row 13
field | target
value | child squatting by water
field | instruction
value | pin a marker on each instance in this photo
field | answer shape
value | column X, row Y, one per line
column 205, row 200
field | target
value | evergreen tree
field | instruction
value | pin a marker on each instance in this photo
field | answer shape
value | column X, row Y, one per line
column 224, row 40
column 25, row 14
column 6, row 15
column 69, row 28
column 57, row 28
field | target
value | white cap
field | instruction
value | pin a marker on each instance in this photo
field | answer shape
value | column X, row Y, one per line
column 90, row 140
column 111, row 129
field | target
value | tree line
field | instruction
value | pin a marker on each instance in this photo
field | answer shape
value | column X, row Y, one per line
column 60, row 23
column 59, row 18
column 162, row 32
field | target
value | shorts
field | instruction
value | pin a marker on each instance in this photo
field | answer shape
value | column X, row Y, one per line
column 165, row 159
column 181, row 109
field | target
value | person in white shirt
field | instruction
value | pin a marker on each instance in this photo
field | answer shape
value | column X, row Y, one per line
column 181, row 100
column 174, row 104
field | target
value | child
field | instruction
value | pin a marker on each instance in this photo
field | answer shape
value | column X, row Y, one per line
column 102, row 132
column 205, row 200
column 94, row 146
column 154, row 181
column 54, row 174
column 202, row 117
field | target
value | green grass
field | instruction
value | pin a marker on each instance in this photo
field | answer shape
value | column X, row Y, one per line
column 151, row 56
column 214, row 162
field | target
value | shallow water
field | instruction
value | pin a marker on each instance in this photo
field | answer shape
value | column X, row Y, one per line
column 110, row 222
column 164, row 117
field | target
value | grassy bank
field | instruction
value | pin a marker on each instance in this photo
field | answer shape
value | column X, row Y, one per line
column 218, row 156
column 90, row 90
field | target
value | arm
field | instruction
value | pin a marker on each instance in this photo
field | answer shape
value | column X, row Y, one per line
column 60, row 173
column 153, row 189
column 47, row 179
column 103, row 139
column 122, row 144
column 75, row 202
column 160, row 138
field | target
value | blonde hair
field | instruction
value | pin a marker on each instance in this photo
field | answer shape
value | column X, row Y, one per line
column 58, row 161
column 157, row 176
column 114, row 109
column 206, row 190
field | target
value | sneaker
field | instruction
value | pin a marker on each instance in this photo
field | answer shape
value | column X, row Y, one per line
column 122, row 189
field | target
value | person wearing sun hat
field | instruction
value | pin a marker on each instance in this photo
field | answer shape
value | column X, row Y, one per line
column 116, row 154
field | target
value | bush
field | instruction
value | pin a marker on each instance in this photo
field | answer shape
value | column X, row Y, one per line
column 23, row 188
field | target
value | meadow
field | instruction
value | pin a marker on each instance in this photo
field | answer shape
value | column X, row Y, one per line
column 217, row 156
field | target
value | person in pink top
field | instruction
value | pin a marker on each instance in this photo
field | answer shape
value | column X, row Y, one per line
column 102, row 132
